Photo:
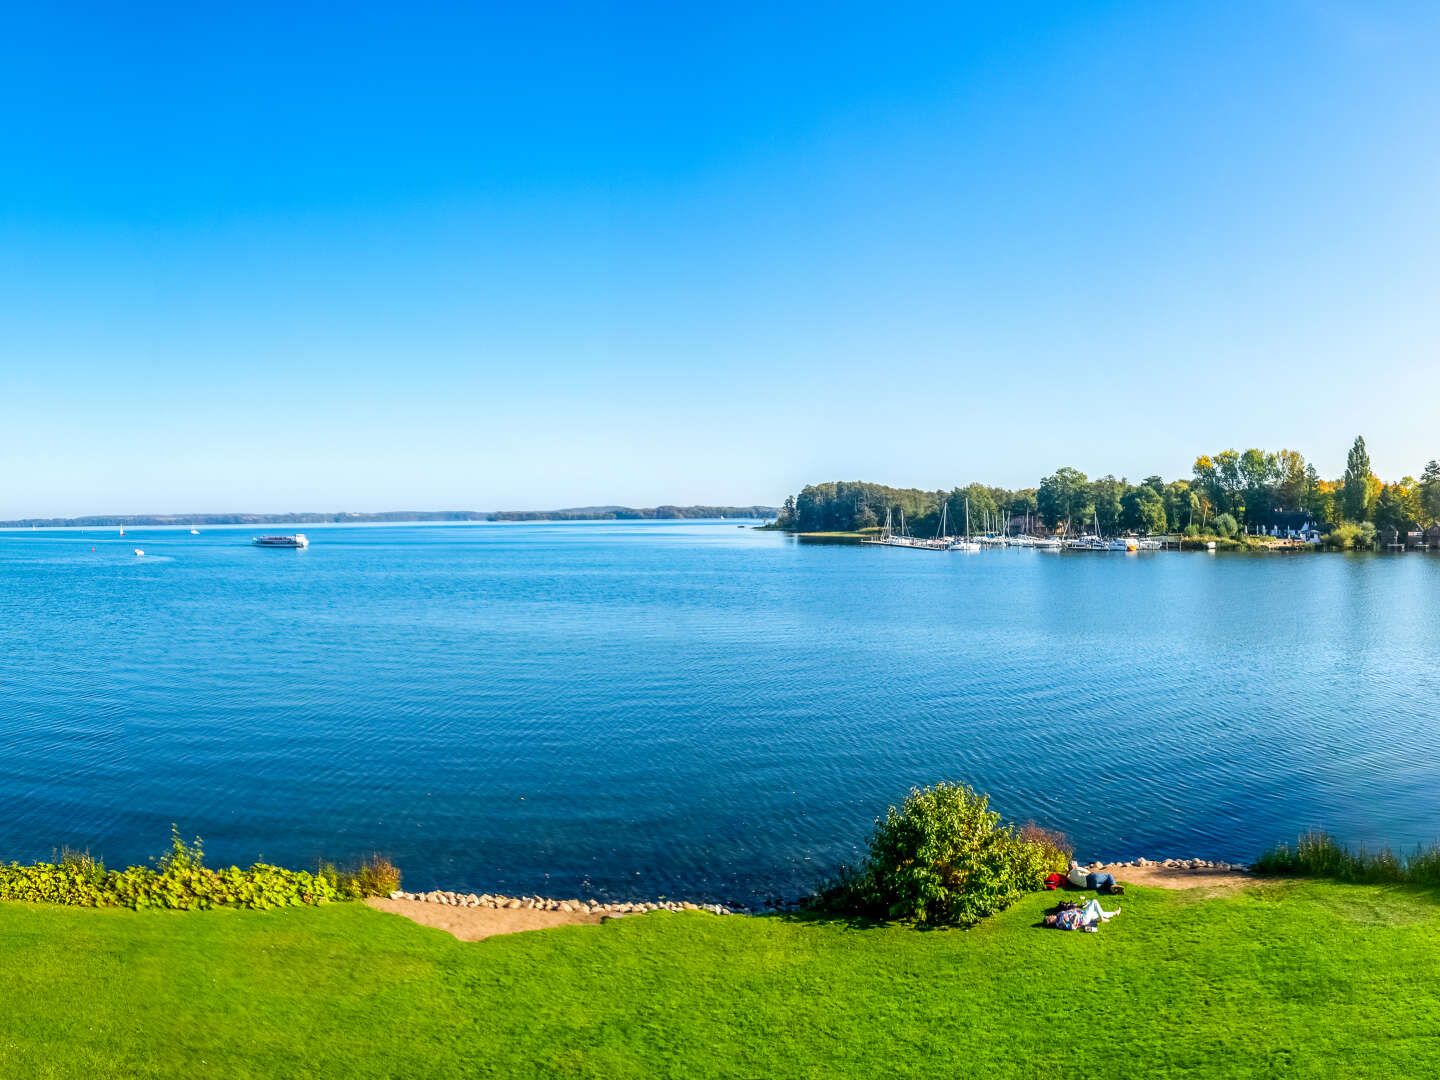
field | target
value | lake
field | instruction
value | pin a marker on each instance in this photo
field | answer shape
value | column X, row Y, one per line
column 691, row 709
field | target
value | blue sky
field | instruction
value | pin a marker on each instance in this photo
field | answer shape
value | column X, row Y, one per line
column 409, row 256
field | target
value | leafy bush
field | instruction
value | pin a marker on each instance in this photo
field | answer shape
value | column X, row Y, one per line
column 944, row 859
column 181, row 880
column 1226, row 526
column 1319, row 855
column 1056, row 845
column 376, row 876
column 1358, row 536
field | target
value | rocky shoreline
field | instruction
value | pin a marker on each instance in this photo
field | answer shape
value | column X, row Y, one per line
column 1173, row 864
column 545, row 903
column 640, row 907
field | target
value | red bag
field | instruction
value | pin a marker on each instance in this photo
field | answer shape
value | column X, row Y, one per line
column 1054, row 881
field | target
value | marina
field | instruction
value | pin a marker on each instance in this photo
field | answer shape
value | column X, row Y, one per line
column 895, row 534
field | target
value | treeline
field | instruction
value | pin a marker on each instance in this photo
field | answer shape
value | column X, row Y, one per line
column 630, row 513
column 1227, row 491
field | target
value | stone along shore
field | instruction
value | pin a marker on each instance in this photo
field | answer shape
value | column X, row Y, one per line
column 1174, row 864
column 542, row 903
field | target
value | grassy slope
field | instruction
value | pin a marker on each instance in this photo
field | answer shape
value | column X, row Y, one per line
column 1294, row 980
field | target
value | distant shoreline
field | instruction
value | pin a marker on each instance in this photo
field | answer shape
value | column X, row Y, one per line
column 583, row 513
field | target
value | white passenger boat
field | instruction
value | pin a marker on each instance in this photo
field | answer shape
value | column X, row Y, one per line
column 296, row 541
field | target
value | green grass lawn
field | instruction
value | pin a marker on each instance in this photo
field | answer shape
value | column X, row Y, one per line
column 1285, row 980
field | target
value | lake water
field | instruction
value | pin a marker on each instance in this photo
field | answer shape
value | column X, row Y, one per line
column 692, row 709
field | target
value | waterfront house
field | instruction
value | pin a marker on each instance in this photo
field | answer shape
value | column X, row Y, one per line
column 1293, row 525
column 1432, row 536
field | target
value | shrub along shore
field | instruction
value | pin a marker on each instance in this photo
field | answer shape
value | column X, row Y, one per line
column 181, row 880
column 942, row 858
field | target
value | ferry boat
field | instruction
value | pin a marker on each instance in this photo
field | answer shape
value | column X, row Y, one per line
column 296, row 541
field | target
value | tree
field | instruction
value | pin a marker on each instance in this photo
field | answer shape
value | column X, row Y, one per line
column 1207, row 478
column 1321, row 503
column 1144, row 510
column 786, row 520
column 1227, row 473
column 1063, row 497
column 1429, row 493
column 1226, row 526
column 1358, row 493
column 1293, row 481
column 983, row 508
column 1398, row 506
column 1023, row 503
column 1108, row 495
column 1182, row 504
column 1258, row 471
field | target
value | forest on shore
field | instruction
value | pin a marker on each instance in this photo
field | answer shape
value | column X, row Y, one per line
column 1227, row 492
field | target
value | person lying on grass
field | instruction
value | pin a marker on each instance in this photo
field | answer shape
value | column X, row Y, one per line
column 1104, row 883
column 1087, row 918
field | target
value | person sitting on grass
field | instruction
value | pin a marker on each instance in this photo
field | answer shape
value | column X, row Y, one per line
column 1083, row 879
column 1087, row 918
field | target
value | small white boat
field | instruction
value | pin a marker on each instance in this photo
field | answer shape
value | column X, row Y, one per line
column 139, row 551
column 298, row 540
column 194, row 532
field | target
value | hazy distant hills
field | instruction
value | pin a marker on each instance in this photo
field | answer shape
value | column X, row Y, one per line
column 579, row 513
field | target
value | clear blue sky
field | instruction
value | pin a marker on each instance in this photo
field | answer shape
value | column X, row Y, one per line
column 372, row 257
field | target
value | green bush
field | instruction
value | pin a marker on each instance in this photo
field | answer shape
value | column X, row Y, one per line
column 1319, row 855
column 1357, row 536
column 376, row 876
column 1226, row 526
column 943, row 858
column 181, row 880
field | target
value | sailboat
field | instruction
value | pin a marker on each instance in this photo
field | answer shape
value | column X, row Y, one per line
column 888, row 536
column 965, row 544
column 884, row 536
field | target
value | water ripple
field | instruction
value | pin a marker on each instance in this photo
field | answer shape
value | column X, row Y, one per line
column 692, row 709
